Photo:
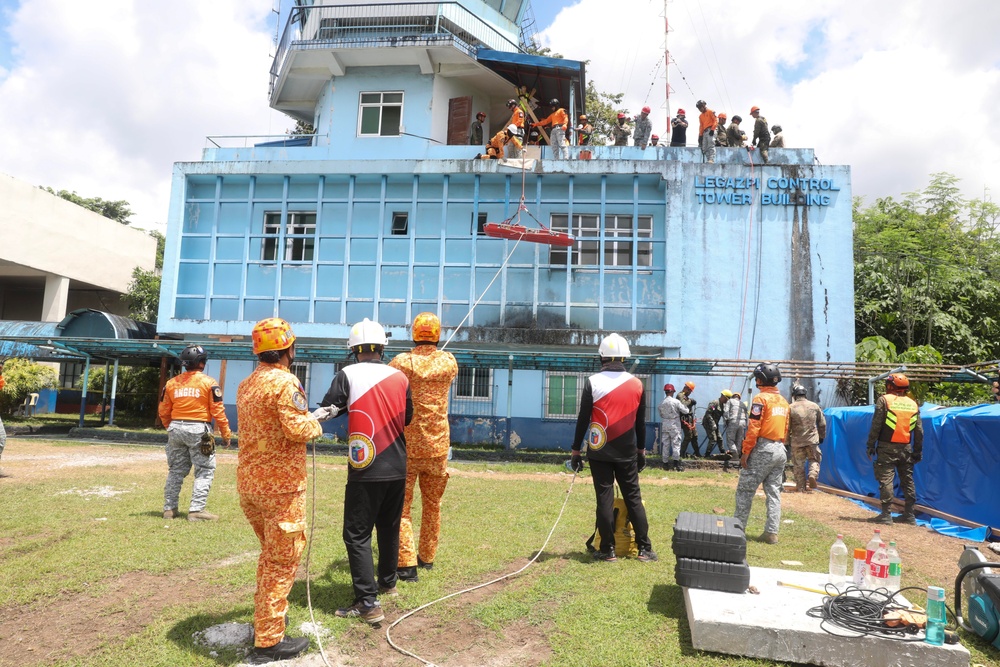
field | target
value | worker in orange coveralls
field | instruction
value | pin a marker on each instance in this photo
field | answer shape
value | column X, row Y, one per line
column 188, row 404
column 428, row 437
column 275, row 425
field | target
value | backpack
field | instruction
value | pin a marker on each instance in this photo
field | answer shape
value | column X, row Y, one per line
column 625, row 546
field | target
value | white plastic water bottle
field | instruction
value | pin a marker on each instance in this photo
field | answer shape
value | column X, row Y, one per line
column 871, row 549
column 878, row 568
column 838, row 562
column 895, row 568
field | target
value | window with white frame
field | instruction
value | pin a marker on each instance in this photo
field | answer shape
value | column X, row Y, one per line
column 300, row 237
column 380, row 114
column 587, row 231
column 474, row 383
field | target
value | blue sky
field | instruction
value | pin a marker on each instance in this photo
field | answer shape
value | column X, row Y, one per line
column 106, row 95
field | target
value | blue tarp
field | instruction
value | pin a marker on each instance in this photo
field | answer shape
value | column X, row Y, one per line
column 960, row 470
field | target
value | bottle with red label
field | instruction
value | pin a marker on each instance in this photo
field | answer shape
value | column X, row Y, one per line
column 878, row 568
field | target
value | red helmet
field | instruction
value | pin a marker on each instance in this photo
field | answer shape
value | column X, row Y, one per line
column 480, row 115
column 655, row 136
column 645, row 109
column 621, row 115
column 680, row 112
column 668, row 387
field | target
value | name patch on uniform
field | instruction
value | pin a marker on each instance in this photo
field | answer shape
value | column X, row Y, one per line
column 299, row 400
column 190, row 392
column 756, row 410
column 597, row 437
column 360, row 451
column 217, row 393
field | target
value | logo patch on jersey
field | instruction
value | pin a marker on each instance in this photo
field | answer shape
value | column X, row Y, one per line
column 361, row 451
column 299, row 400
column 217, row 393
column 756, row 410
column 597, row 437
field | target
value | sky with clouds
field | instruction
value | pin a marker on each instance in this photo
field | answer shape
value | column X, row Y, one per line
column 103, row 97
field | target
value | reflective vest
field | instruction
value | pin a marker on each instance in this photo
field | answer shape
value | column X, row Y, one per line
column 900, row 419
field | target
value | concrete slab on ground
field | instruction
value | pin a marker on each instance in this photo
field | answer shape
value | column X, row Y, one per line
column 774, row 625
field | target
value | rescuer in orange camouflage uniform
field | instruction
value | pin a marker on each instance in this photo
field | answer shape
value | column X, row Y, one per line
column 275, row 426
column 188, row 404
column 428, row 437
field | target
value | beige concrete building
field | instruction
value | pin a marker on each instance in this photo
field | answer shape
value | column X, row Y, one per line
column 56, row 257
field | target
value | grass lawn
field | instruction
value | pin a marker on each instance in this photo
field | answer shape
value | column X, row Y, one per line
column 90, row 574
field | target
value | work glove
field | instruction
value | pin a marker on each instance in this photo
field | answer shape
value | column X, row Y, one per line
column 871, row 452
column 207, row 444
column 576, row 463
column 640, row 458
column 915, row 456
column 326, row 414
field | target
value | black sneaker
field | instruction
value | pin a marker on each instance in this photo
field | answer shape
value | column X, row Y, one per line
column 407, row 574
column 606, row 556
column 425, row 566
column 287, row 648
column 647, row 556
column 369, row 613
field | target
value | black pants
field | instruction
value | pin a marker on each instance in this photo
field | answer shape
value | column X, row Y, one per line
column 627, row 473
column 369, row 505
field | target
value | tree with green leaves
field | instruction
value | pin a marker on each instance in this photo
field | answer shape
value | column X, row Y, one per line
column 119, row 211
column 23, row 377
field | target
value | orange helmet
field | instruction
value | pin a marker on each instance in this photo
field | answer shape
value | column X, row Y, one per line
column 426, row 328
column 272, row 333
column 689, row 386
column 898, row 380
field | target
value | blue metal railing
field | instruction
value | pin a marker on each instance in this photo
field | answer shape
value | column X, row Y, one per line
column 402, row 23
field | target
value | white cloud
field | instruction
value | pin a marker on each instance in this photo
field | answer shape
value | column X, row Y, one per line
column 897, row 89
column 102, row 98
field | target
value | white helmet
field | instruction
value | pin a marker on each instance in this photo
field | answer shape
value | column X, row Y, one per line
column 513, row 129
column 614, row 345
column 367, row 332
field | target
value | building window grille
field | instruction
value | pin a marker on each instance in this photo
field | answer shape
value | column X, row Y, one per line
column 563, row 392
column 400, row 224
column 474, row 383
column 380, row 115
column 301, row 371
column 300, row 237
column 587, row 231
column 69, row 375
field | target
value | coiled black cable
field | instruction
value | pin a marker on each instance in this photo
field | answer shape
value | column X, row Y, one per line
column 863, row 611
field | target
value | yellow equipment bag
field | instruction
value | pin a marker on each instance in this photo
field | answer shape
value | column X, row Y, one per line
column 625, row 546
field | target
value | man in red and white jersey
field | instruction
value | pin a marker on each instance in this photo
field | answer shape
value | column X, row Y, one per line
column 377, row 400
column 612, row 422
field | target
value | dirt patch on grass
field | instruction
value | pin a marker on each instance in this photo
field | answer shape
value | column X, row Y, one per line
column 75, row 626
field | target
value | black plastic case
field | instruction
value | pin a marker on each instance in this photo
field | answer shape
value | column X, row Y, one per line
column 709, row 537
column 712, row 575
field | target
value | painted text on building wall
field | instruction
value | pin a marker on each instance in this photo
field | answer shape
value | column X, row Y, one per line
column 776, row 191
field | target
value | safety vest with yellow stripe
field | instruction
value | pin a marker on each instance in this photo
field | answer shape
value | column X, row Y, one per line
column 900, row 419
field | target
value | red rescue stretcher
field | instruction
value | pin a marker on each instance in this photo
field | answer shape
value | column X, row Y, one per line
column 515, row 232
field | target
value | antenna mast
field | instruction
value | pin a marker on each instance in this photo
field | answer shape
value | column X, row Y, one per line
column 666, row 61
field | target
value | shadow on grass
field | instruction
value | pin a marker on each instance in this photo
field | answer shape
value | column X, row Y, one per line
column 668, row 600
column 183, row 632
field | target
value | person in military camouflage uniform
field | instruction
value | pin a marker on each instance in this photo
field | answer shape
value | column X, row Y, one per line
column 643, row 128
column 895, row 424
column 620, row 132
column 735, row 137
column 764, row 452
column 689, row 423
column 806, row 431
column 761, row 133
column 713, row 416
column 721, row 133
